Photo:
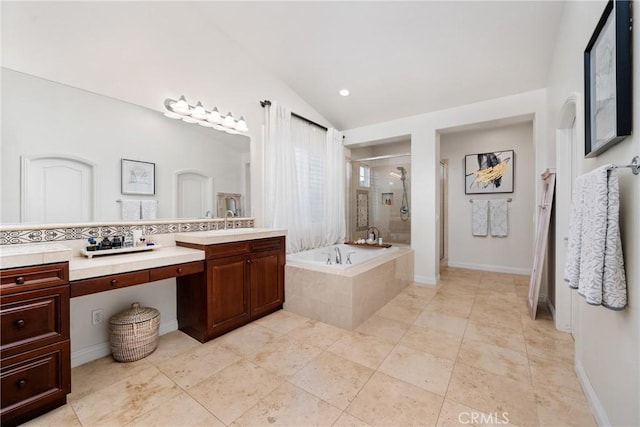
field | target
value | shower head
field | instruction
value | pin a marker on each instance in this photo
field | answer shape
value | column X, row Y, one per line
column 403, row 171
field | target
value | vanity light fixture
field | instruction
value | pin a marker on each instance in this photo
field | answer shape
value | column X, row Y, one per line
column 181, row 110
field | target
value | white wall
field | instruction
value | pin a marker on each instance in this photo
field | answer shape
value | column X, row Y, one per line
column 514, row 253
column 425, row 157
column 607, row 342
column 44, row 117
column 97, row 46
column 89, row 342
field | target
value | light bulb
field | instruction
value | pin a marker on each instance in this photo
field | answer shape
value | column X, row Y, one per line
column 190, row 119
column 215, row 117
column 181, row 106
column 344, row 92
column 205, row 124
column 228, row 121
column 172, row 115
column 199, row 112
column 241, row 125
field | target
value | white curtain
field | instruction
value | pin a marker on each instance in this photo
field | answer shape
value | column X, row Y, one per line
column 304, row 180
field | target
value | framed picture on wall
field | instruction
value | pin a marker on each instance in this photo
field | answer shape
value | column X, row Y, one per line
column 486, row 173
column 607, row 80
column 138, row 177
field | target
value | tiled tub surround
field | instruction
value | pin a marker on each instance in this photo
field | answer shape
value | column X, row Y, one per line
column 346, row 296
column 30, row 233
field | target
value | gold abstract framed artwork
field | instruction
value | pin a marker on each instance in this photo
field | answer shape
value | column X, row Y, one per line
column 489, row 173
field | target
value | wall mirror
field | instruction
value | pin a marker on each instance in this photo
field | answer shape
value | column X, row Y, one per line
column 62, row 149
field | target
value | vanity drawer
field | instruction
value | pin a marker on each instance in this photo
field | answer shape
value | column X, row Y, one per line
column 31, row 278
column 267, row 244
column 34, row 382
column 106, row 283
column 176, row 270
column 227, row 249
column 34, row 319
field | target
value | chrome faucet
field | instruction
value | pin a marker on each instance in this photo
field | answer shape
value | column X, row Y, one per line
column 338, row 256
column 226, row 218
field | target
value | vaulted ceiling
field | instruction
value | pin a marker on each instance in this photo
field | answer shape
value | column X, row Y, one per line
column 396, row 58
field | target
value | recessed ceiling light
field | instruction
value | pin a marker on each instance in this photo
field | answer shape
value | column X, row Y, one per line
column 344, row 92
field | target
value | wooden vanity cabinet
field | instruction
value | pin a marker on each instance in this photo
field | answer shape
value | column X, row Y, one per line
column 35, row 367
column 242, row 281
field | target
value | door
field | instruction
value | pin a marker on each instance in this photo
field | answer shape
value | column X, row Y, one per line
column 266, row 270
column 443, row 209
column 194, row 195
column 57, row 189
column 228, row 293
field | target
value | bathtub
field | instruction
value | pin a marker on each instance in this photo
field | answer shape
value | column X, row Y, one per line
column 357, row 255
column 345, row 295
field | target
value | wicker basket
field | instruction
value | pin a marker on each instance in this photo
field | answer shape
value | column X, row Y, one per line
column 133, row 334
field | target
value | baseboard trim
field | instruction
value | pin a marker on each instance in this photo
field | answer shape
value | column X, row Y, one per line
column 88, row 354
column 552, row 310
column 592, row 398
column 487, row 267
column 425, row 280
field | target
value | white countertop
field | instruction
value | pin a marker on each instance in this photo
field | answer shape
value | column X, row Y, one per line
column 13, row 256
column 84, row 268
column 226, row 236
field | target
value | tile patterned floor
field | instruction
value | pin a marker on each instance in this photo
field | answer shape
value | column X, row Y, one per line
column 433, row 356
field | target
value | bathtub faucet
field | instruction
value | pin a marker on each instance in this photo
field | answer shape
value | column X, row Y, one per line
column 338, row 256
column 349, row 257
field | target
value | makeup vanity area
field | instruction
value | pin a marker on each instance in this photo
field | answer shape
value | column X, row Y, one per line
column 224, row 279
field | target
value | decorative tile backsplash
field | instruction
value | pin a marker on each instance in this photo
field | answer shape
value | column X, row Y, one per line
column 20, row 235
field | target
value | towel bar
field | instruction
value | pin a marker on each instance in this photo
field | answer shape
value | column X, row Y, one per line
column 634, row 165
column 120, row 201
column 508, row 200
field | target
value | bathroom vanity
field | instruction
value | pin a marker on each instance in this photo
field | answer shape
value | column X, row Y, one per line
column 225, row 279
column 243, row 280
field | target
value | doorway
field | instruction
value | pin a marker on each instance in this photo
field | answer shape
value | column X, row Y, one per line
column 567, row 162
column 444, row 169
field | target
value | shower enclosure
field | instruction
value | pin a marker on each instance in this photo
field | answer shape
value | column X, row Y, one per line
column 380, row 197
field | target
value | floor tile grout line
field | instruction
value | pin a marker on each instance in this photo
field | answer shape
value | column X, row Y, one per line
column 455, row 362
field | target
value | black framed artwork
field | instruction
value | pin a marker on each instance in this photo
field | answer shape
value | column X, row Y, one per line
column 138, row 177
column 489, row 173
column 607, row 80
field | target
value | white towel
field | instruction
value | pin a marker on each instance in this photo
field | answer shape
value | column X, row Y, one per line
column 149, row 209
column 498, row 219
column 595, row 264
column 130, row 210
column 479, row 217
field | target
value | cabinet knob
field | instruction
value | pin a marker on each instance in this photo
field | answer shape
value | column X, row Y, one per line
column 179, row 270
column 113, row 282
column 20, row 280
column 21, row 383
column 19, row 323
column 249, row 261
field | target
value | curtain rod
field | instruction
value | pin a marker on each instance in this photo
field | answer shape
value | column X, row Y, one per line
column 267, row 102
